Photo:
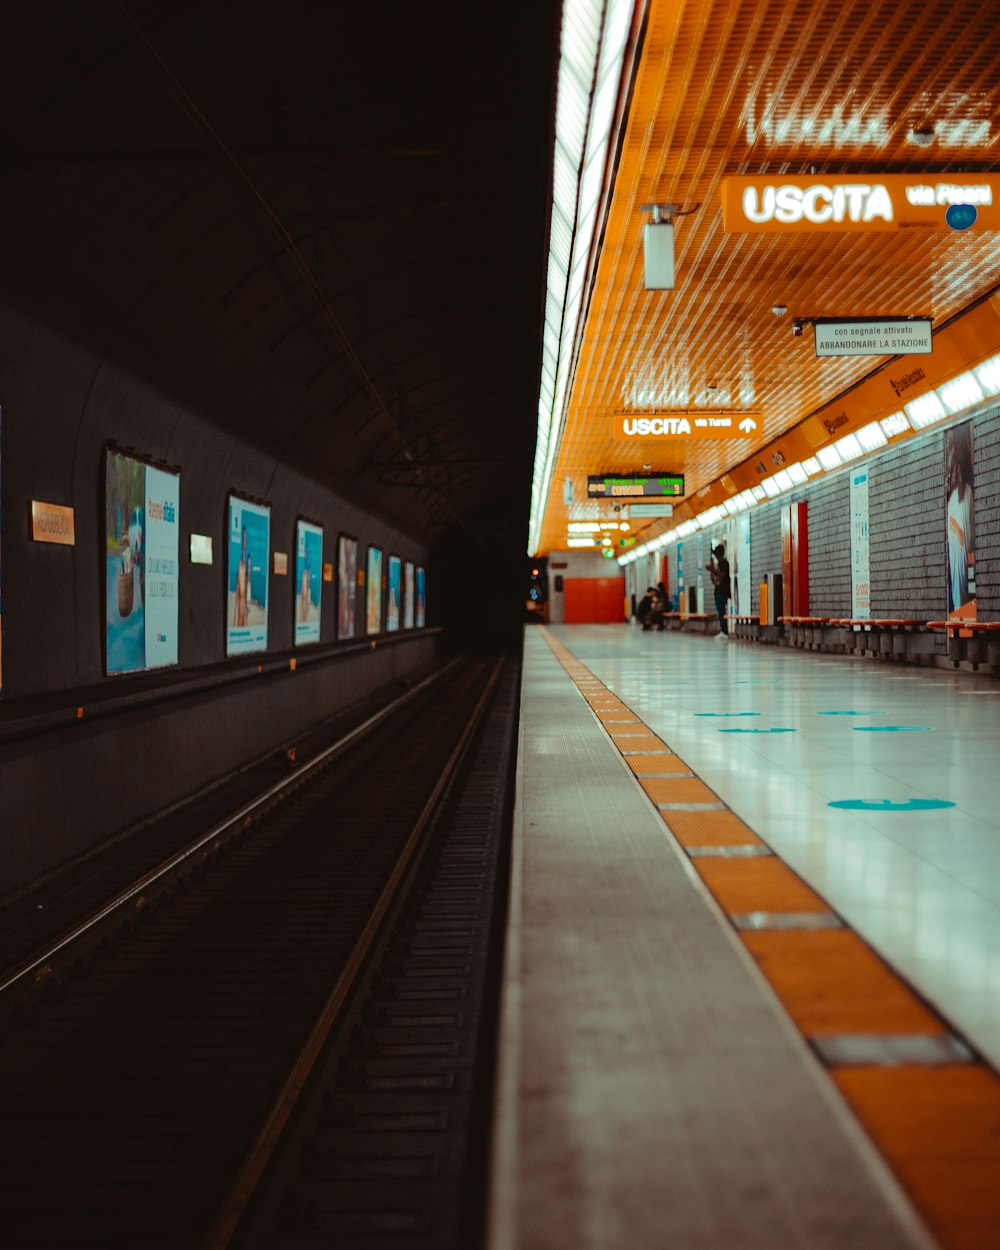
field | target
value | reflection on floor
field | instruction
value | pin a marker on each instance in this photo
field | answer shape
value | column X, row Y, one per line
column 879, row 786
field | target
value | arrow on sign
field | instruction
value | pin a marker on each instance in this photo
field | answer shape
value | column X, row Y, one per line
column 748, row 424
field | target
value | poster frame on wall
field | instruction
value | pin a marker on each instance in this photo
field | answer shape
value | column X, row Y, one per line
column 420, row 597
column 159, row 630
column 861, row 588
column 373, row 590
column 393, row 615
column 347, row 586
column 306, row 631
column 409, row 593
column 253, row 636
column 960, row 523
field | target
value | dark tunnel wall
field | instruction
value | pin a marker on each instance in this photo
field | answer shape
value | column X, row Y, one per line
column 144, row 741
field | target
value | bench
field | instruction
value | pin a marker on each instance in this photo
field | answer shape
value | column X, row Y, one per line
column 744, row 625
column 889, row 636
column 975, row 642
column 805, row 631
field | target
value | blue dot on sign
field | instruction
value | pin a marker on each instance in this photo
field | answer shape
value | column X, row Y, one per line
column 887, row 805
column 891, row 729
column 961, row 216
column 728, row 713
column 779, row 730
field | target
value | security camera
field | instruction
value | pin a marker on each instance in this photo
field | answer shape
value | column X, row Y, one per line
column 797, row 325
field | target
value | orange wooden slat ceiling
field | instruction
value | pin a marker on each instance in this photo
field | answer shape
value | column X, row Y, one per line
column 728, row 87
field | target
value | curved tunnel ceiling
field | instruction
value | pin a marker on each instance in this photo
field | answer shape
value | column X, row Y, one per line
column 330, row 218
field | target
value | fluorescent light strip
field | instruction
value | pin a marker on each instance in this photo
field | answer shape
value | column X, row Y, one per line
column 849, row 447
column 872, row 436
column 961, row 393
column 925, row 410
column 591, row 55
column 988, row 375
column 898, row 423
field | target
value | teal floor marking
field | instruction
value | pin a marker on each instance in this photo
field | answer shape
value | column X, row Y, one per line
column 887, row 805
column 779, row 730
column 891, row 729
column 728, row 713
column 845, row 713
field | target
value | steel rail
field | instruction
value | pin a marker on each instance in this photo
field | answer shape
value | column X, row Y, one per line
column 229, row 1222
column 40, row 962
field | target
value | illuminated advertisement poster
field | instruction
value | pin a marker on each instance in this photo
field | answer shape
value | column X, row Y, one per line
column 421, row 611
column 392, row 598
column 246, row 598
column 141, row 527
column 960, row 503
column 308, row 581
column 860, row 547
column 740, row 604
column 408, row 595
column 373, row 592
column 347, row 582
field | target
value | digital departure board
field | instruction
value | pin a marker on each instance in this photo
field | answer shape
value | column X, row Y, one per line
column 649, row 486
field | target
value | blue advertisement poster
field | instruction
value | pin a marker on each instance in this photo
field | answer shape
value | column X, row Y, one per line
column 308, row 581
column 347, row 585
column 408, row 595
column 392, row 598
column 421, row 612
column 373, row 592
column 141, row 525
column 249, row 556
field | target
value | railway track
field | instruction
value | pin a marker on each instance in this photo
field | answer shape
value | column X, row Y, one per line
column 150, row 1098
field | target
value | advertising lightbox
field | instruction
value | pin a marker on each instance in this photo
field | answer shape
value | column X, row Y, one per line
column 392, row 597
column 308, row 581
column 249, row 560
column 347, row 584
column 408, row 595
column 421, row 600
column 373, row 592
column 141, row 531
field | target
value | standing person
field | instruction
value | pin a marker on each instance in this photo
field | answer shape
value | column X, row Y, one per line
column 718, row 571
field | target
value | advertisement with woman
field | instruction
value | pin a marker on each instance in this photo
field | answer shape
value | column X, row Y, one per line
column 960, row 495
column 308, row 581
column 347, row 583
column 141, row 527
column 249, row 553
column 392, row 596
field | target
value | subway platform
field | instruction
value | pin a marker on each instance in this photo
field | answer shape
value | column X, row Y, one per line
column 752, row 979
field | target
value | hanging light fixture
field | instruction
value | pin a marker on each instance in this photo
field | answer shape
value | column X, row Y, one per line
column 658, row 244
